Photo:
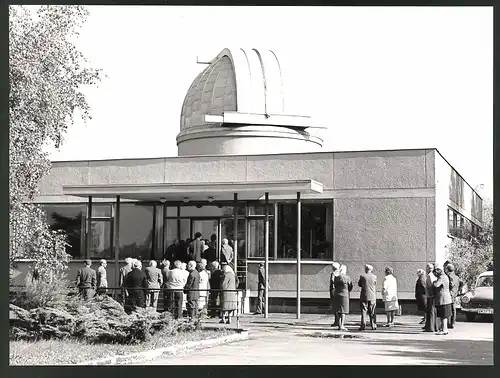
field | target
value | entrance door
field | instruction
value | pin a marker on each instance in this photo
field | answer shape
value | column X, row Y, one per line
column 207, row 228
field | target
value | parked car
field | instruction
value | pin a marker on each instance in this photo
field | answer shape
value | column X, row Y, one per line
column 480, row 299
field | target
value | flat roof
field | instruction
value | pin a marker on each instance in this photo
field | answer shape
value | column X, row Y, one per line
column 215, row 191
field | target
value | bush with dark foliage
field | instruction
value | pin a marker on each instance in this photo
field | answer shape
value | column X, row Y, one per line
column 99, row 320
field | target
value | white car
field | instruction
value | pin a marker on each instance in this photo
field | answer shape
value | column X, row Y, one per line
column 480, row 299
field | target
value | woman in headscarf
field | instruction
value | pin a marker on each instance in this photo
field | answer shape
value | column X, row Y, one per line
column 420, row 295
column 443, row 298
column 226, row 252
column 229, row 295
column 333, row 304
column 342, row 286
column 390, row 296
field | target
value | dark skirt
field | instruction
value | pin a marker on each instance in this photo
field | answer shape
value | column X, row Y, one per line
column 443, row 311
column 421, row 303
column 340, row 304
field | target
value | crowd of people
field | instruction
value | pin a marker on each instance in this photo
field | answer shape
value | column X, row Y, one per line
column 189, row 277
column 436, row 290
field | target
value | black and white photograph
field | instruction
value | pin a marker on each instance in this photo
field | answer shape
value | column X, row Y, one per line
column 247, row 185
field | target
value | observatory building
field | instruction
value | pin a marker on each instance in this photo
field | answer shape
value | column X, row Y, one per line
column 237, row 148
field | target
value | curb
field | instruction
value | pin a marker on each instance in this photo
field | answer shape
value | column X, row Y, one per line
column 167, row 351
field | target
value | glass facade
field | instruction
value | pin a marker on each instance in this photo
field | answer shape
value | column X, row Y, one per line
column 146, row 233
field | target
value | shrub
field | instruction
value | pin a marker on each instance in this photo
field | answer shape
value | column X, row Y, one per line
column 99, row 320
column 52, row 292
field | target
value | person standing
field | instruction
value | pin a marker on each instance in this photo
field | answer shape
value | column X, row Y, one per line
column 229, row 295
column 135, row 283
column 102, row 281
column 165, row 272
column 171, row 251
column 192, row 289
column 390, row 296
column 333, row 304
column 443, row 299
column 86, row 280
column 368, row 297
column 121, row 277
column 454, row 290
column 175, row 287
column 196, row 248
column 227, row 254
column 430, row 310
column 261, row 290
column 154, row 281
column 204, row 285
column 420, row 295
column 342, row 287
column 215, row 280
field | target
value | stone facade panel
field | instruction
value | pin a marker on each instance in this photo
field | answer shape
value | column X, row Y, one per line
column 287, row 167
column 147, row 171
column 380, row 169
column 206, row 169
column 389, row 229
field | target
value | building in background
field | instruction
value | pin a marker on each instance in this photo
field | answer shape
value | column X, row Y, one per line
column 398, row 207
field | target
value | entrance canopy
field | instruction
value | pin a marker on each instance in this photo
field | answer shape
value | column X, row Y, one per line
column 213, row 191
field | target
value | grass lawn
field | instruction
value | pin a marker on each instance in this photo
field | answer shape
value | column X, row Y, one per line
column 57, row 352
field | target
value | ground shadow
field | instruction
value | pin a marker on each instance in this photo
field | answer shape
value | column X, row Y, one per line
column 431, row 352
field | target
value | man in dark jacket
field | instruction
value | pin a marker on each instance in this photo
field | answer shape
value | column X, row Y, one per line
column 368, row 297
column 196, row 248
column 192, row 289
column 454, row 290
column 135, row 284
column 215, row 280
column 86, row 280
column 261, row 286
column 172, row 251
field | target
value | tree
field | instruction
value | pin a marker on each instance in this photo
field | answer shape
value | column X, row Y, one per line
column 46, row 76
column 473, row 253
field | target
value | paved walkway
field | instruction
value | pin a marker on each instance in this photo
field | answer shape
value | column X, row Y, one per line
column 282, row 340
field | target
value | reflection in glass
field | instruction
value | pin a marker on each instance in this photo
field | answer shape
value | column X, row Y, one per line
column 316, row 231
column 256, row 238
column 100, row 240
column 170, row 231
column 71, row 220
column 227, row 231
column 185, row 228
column 259, row 208
column 136, row 231
column 101, row 211
column 171, row 211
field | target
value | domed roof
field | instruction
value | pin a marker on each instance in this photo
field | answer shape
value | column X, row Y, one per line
column 242, row 80
column 212, row 92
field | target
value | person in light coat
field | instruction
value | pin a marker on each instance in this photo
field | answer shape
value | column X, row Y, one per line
column 204, row 285
column 154, row 280
column 390, row 296
column 175, row 288
column 443, row 299
column 229, row 295
column 102, row 280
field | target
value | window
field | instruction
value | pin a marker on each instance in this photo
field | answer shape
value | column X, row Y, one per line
column 71, row 220
column 316, row 230
column 171, row 211
column 256, row 238
column 170, row 231
column 214, row 211
column 100, row 240
column 136, row 231
column 227, row 231
column 101, row 211
column 450, row 221
column 259, row 208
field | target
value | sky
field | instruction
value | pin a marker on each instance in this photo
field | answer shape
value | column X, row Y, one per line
column 377, row 77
